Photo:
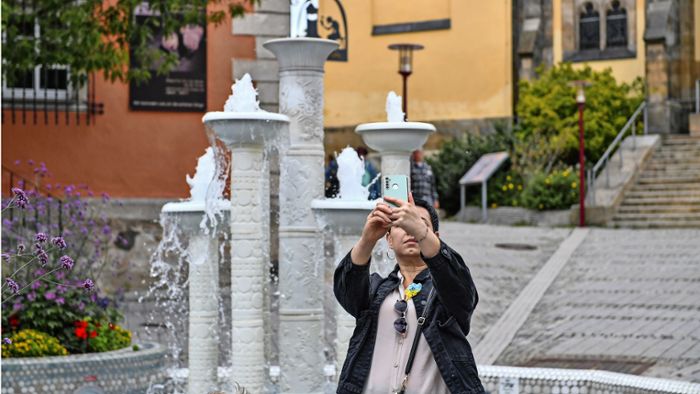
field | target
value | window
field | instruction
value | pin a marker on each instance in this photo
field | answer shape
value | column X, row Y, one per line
column 41, row 82
column 589, row 28
column 616, row 26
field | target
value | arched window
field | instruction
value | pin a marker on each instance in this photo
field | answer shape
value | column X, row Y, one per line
column 616, row 26
column 589, row 28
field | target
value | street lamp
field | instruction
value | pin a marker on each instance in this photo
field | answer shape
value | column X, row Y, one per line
column 405, row 67
column 581, row 102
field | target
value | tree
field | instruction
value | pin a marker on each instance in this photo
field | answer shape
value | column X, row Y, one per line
column 91, row 36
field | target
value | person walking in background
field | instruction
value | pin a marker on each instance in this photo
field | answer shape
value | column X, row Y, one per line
column 332, row 184
column 423, row 184
column 370, row 174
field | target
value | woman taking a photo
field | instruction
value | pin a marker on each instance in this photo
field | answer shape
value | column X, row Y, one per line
column 412, row 325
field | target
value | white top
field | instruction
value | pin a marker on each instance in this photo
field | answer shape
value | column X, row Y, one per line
column 391, row 352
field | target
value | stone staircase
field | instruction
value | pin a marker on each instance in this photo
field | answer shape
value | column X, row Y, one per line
column 667, row 192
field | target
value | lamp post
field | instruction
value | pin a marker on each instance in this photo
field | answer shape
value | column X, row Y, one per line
column 581, row 102
column 405, row 68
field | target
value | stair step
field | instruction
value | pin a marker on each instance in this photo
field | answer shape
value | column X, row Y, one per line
column 655, row 224
column 647, row 173
column 670, row 200
column 672, row 167
column 669, row 179
column 663, row 196
column 680, row 139
column 658, row 209
column 666, row 187
column 673, row 216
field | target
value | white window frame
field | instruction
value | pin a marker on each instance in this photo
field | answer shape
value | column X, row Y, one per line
column 36, row 92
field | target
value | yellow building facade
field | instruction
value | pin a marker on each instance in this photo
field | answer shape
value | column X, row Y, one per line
column 476, row 51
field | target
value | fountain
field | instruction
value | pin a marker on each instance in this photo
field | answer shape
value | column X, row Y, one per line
column 247, row 131
column 301, row 257
column 395, row 139
column 202, row 257
column 344, row 217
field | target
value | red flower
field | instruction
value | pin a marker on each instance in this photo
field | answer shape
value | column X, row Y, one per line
column 81, row 329
column 81, row 333
column 111, row 326
column 93, row 334
column 14, row 321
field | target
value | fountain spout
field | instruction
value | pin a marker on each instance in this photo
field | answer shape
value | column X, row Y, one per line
column 393, row 108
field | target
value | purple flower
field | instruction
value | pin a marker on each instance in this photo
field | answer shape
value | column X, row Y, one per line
column 105, row 197
column 6, row 257
column 41, row 237
column 6, row 341
column 21, row 198
column 60, row 289
column 49, row 295
column 81, row 306
column 106, row 230
column 60, row 275
column 60, row 300
column 66, row 262
column 88, row 284
column 14, row 287
column 18, row 162
column 43, row 257
column 59, row 241
column 31, row 296
column 30, row 162
column 17, row 306
column 20, row 248
column 36, row 284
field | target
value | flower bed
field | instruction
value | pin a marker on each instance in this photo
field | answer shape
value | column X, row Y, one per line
column 122, row 371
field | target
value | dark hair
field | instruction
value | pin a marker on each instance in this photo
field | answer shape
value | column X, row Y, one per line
column 434, row 219
column 361, row 150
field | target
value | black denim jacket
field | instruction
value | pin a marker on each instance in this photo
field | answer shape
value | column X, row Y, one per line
column 446, row 325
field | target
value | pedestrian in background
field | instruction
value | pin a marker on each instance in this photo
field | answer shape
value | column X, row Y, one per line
column 423, row 184
column 370, row 174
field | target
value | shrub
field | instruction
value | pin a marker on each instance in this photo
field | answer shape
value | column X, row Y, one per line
column 99, row 336
column 54, row 250
column 547, row 127
column 32, row 343
column 456, row 156
column 556, row 190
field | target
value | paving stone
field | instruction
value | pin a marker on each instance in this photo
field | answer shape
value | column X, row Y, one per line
column 628, row 294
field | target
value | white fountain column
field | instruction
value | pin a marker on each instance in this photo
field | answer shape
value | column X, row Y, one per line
column 247, row 134
column 203, row 262
column 301, row 259
column 203, row 347
column 345, row 220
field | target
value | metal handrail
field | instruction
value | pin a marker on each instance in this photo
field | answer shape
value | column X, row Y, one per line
column 603, row 161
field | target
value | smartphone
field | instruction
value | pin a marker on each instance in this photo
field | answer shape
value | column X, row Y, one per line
column 395, row 186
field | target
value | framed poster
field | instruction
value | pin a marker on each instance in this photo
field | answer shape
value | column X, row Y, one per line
column 183, row 89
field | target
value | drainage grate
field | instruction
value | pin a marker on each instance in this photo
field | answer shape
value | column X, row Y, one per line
column 612, row 365
column 515, row 246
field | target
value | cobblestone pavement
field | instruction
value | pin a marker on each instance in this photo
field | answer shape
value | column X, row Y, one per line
column 628, row 298
column 499, row 274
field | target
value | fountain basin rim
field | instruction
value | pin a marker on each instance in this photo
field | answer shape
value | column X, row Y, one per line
column 193, row 206
column 301, row 39
column 257, row 115
column 339, row 204
column 407, row 126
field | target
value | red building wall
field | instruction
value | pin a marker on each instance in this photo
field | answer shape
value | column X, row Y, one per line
column 127, row 154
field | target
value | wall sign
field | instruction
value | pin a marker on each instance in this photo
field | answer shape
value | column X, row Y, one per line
column 182, row 89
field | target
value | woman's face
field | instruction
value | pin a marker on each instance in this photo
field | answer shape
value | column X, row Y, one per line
column 404, row 245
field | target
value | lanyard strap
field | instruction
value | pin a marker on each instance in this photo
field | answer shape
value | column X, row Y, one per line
column 412, row 354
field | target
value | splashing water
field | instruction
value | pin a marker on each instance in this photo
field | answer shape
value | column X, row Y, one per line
column 393, row 108
column 244, row 97
column 351, row 169
column 203, row 176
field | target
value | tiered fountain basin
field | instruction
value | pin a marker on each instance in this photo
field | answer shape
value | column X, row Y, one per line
column 124, row 371
column 395, row 136
column 245, row 128
column 342, row 217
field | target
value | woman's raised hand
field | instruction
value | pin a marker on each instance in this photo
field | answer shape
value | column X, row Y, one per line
column 377, row 223
column 376, row 226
